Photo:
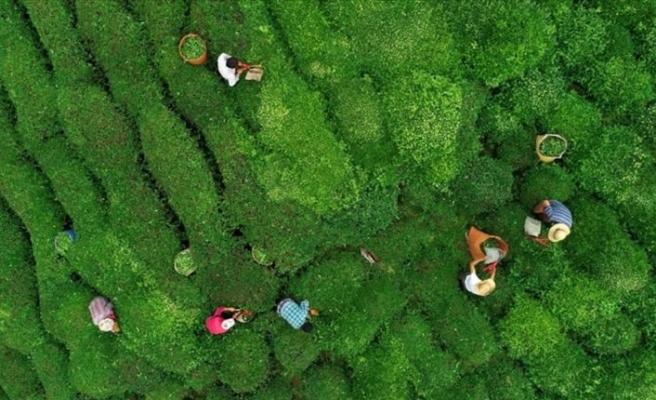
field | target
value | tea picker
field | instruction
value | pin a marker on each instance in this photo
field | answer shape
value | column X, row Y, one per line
column 231, row 69
column 224, row 319
column 554, row 213
column 485, row 248
column 102, row 315
column 297, row 315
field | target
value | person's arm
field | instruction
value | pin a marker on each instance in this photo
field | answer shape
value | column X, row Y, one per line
column 472, row 266
column 242, row 67
column 539, row 209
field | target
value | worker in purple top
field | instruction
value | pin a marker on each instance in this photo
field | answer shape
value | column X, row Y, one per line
column 556, row 213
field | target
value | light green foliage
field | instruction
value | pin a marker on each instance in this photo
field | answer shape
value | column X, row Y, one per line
column 615, row 147
column 604, row 249
column 622, row 85
column 305, row 163
column 530, row 331
column 502, row 39
column 393, row 37
column 427, row 114
column 326, row 383
column 582, row 37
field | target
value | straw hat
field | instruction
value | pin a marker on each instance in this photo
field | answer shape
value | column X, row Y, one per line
column 106, row 325
column 485, row 287
column 558, row 232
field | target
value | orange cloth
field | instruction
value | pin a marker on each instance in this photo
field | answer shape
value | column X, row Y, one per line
column 475, row 239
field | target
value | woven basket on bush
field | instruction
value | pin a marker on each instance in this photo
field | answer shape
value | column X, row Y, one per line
column 193, row 61
column 541, row 138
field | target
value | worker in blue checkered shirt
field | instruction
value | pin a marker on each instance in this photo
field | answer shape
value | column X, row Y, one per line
column 296, row 315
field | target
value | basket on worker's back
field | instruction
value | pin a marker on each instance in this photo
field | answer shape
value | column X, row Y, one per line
column 554, row 140
column 475, row 239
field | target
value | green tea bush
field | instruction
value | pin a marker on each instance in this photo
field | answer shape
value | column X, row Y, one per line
column 51, row 365
column 483, row 186
column 293, row 349
column 632, row 377
column 565, row 371
column 500, row 39
column 17, row 377
column 332, row 284
column 325, row 383
column 529, row 331
column 617, row 149
column 464, row 331
column 427, row 114
column 582, row 38
column 382, row 372
column 100, row 133
column 505, row 381
column 391, row 36
column 19, row 316
column 594, row 313
column 159, row 139
column 375, row 303
column 320, row 52
column 276, row 389
column 54, row 24
column 435, row 369
column 546, row 181
column 243, row 360
column 537, row 94
column 604, row 249
column 622, row 85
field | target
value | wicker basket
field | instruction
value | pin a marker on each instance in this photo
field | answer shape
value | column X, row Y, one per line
column 541, row 138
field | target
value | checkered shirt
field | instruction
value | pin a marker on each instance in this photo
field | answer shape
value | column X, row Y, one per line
column 293, row 313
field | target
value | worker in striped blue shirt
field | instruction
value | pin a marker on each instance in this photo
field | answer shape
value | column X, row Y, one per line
column 296, row 315
column 555, row 212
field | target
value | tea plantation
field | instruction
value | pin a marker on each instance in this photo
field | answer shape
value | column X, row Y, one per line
column 390, row 125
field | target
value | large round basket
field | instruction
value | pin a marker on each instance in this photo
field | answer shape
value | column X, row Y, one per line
column 184, row 263
column 200, row 60
column 549, row 158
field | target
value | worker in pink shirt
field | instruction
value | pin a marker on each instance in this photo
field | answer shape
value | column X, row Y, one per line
column 102, row 315
column 224, row 319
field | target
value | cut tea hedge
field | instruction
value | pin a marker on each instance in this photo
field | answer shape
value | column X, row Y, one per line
column 390, row 126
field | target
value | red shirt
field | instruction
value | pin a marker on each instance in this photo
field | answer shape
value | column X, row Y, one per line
column 214, row 323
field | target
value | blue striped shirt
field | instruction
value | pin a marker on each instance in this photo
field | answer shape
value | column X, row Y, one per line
column 293, row 313
column 557, row 212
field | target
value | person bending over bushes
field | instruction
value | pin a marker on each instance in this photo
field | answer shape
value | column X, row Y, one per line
column 102, row 315
column 489, row 249
column 297, row 315
column 224, row 319
column 556, row 213
column 231, row 69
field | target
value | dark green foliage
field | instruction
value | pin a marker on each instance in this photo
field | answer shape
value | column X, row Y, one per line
column 325, row 383
column 547, row 181
column 17, row 377
column 243, row 360
column 483, row 186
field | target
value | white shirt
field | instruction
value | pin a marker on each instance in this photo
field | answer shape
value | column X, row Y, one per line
column 229, row 74
column 471, row 281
